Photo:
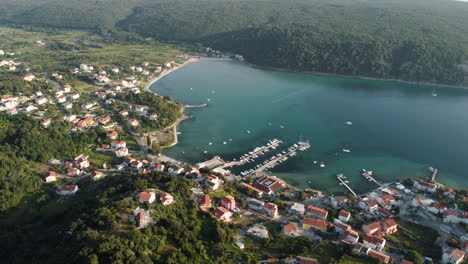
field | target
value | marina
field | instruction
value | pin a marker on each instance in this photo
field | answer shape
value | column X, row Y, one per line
column 275, row 160
column 254, row 154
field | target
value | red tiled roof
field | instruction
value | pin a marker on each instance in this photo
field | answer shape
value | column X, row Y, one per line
column 426, row 184
column 457, row 254
column 145, row 196
column 205, row 200
column 351, row 233
column 270, row 206
column 228, row 199
column 304, row 260
column 317, row 211
column 344, row 213
column 371, row 203
column 53, row 173
column 373, row 239
column 319, row 223
column 220, row 211
column 141, row 216
column 68, row 188
column 246, row 185
column 291, row 227
column 378, row 255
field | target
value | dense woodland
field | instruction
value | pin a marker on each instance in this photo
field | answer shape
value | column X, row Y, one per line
column 23, row 144
column 416, row 40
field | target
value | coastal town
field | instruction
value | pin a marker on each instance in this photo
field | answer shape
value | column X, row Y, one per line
column 384, row 224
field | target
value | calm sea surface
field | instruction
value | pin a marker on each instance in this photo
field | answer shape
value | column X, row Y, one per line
column 398, row 129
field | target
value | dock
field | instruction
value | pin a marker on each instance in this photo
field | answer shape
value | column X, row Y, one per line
column 434, row 174
column 341, row 178
column 275, row 160
column 254, row 154
column 216, row 161
column 368, row 176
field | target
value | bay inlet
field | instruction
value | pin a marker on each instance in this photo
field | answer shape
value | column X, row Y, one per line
column 397, row 131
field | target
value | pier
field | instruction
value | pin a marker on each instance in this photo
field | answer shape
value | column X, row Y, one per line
column 194, row 106
column 434, row 174
column 368, row 176
column 273, row 161
column 254, row 154
column 341, row 178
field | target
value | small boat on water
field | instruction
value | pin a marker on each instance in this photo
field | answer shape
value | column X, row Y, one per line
column 315, row 162
column 224, row 142
column 322, row 165
column 346, row 150
column 434, row 92
column 212, row 92
column 230, row 139
column 281, row 126
column 211, row 143
column 269, row 124
column 348, row 123
column 248, row 131
column 205, row 151
column 178, row 133
column 208, row 99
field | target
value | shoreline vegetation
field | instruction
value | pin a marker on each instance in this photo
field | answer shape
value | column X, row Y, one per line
column 174, row 126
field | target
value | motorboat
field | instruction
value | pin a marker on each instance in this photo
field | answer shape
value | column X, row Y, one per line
column 348, row 123
column 346, row 150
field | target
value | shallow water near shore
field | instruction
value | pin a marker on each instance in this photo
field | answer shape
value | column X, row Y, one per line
column 398, row 129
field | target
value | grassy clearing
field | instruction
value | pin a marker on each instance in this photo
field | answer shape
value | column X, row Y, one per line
column 420, row 238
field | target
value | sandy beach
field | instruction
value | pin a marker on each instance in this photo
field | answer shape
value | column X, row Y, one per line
column 167, row 71
column 183, row 117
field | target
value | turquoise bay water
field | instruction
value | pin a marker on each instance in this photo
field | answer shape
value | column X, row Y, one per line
column 398, row 129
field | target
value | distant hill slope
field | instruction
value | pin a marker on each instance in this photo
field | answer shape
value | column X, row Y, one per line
column 412, row 40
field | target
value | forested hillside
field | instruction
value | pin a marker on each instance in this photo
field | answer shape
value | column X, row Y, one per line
column 412, row 40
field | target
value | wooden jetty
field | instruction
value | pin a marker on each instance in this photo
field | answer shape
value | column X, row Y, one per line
column 341, row 178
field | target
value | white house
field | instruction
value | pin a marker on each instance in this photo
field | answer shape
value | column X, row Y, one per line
column 67, row 105
column 425, row 186
column 369, row 205
column 297, row 209
column 452, row 217
column 121, row 152
column 75, row 96
column 118, row 144
column 67, row 190
column 176, row 170
column 255, row 204
column 40, row 100
column 144, row 197
column 344, row 216
column 453, row 255
column 351, row 236
column 374, row 242
column 51, row 176
column 167, row 199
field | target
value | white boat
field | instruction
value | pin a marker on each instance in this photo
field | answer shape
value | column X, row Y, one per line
column 224, row 142
column 205, row 151
column 208, row 99
column 248, row 131
column 230, row 139
column 348, row 123
column 211, row 143
column 322, row 165
column 281, row 126
column 212, row 92
column 191, row 88
column 434, row 92
column 346, row 150
column 315, row 162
